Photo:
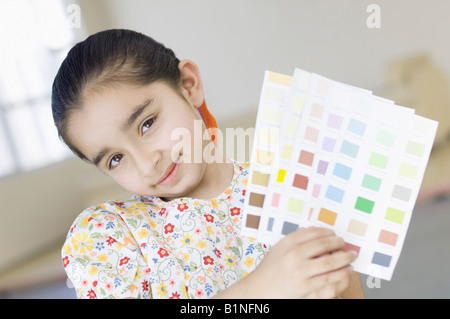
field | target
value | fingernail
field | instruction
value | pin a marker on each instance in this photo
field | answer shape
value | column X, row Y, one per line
column 354, row 253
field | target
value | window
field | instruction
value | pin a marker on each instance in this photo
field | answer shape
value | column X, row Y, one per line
column 35, row 37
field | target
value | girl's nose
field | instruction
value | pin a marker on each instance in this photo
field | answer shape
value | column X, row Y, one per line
column 147, row 164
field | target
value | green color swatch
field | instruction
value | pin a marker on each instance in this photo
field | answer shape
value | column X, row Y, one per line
column 385, row 138
column 395, row 215
column 295, row 205
column 371, row 182
column 378, row 160
column 364, row 205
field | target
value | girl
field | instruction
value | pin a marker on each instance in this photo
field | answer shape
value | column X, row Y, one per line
column 117, row 101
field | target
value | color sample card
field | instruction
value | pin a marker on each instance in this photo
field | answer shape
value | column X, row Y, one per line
column 264, row 156
column 341, row 158
column 297, row 98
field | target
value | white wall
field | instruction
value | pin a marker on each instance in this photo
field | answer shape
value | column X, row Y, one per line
column 234, row 41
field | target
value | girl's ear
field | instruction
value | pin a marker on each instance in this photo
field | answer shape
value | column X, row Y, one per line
column 191, row 82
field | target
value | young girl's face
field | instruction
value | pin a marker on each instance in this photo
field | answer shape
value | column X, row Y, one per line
column 126, row 131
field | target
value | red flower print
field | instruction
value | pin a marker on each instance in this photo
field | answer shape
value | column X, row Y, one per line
column 208, row 260
column 217, row 252
column 99, row 224
column 162, row 211
column 175, row 295
column 209, row 218
column 235, row 211
column 182, row 207
column 145, row 285
column 243, row 192
column 65, row 261
column 168, row 228
column 95, row 283
column 91, row 294
column 110, row 241
column 124, row 261
column 162, row 253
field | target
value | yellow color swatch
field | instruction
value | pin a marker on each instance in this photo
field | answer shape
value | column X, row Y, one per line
column 264, row 157
column 408, row 170
column 268, row 135
column 297, row 104
column 279, row 78
column 286, row 152
column 260, row 178
column 292, row 128
column 281, row 175
column 271, row 115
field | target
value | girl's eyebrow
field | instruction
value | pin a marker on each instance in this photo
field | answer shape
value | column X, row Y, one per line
column 97, row 159
column 137, row 111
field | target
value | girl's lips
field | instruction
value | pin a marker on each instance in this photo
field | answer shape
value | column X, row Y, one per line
column 169, row 174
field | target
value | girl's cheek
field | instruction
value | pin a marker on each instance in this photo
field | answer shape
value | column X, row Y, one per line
column 179, row 136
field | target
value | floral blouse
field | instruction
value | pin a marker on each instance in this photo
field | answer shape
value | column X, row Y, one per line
column 148, row 248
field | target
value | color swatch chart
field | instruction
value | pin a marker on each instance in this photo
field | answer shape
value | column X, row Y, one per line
column 332, row 155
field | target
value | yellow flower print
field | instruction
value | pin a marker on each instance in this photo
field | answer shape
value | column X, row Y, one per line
column 67, row 249
column 186, row 256
column 249, row 261
column 187, row 239
column 143, row 233
column 102, row 258
column 184, row 290
column 136, row 209
column 161, row 290
column 82, row 242
column 138, row 274
column 214, row 203
column 230, row 261
column 85, row 221
column 201, row 244
column 93, row 271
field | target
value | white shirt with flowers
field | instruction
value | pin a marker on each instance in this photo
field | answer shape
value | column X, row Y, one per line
column 148, row 248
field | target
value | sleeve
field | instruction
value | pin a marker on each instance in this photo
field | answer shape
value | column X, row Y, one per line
column 103, row 260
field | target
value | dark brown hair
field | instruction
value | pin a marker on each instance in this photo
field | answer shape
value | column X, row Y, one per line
column 106, row 58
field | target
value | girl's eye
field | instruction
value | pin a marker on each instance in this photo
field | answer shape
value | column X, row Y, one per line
column 147, row 124
column 115, row 160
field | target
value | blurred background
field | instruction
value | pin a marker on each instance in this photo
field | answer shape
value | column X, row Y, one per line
column 397, row 49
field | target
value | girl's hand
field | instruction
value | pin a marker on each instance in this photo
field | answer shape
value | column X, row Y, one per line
column 308, row 263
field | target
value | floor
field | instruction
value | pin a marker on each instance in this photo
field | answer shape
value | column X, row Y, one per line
column 422, row 271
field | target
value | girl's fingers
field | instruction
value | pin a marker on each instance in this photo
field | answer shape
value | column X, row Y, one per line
column 329, row 285
column 329, row 263
column 322, row 246
column 303, row 235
